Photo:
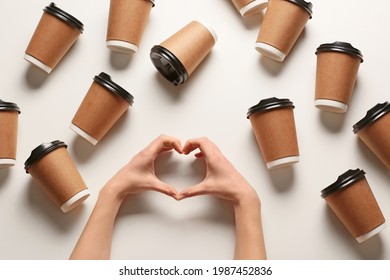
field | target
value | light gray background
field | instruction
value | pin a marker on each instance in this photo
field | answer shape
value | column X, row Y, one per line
column 297, row 222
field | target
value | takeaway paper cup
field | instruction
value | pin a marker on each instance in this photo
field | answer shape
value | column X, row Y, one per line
column 178, row 56
column 353, row 202
column 250, row 7
column 337, row 67
column 102, row 106
column 283, row 22
column 126, row 24
column 55, row 34
column 52, row 167
column 9, row 114
column 374, row 131
column 273, row 124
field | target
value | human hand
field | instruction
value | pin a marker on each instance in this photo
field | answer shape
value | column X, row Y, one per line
column 139, row 174
column 222, row 179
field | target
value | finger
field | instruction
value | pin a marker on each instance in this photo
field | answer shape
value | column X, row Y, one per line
column 164, row 143
column 205, row 146
column 165, row 189
column 199, row 155
column 192, row 191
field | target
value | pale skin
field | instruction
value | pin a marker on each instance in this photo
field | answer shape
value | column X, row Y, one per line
column 222, row 180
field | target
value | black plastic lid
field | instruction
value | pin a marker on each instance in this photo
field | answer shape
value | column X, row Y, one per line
column 8, row 106
column 105, row 80
column 372, row 115
column 340, row 47
column 55, row 11
column 308, row 6
column 344, row 180
column 168, row 65
column 42, row 150
column 269, row 104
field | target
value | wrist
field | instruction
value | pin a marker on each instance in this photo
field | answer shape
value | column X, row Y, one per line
column 248, row 198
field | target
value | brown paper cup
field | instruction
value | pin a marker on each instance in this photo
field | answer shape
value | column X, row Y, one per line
column 273, row 124
column 353, row 202
column 283, row 22
column 9, row 114
column 250, row 7
column 374, row 131
column 177, row 57
column 55, row 34
column 337, row 67
column 52, row 167
column 126, row 24
column 103, row 105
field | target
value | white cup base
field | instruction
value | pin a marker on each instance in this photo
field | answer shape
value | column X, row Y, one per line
column 270, row 51
column 253, row 7
column 331, row 105
column 121, row 46
column 370, row 234
column 75, row 200
column 83, row 134
column 38, row 63
column 282, row 162
column 7, row 162
column 211, row 30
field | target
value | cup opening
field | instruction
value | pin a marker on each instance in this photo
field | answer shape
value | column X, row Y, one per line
column 83, row 134
column 282, row 162
column 121, row 47
column 38, row 63
column 168, row 65
column 253, row 7
column 270, row 51
column 7, row 162
column 370, row 234
column 75, row 200
column 331, row 105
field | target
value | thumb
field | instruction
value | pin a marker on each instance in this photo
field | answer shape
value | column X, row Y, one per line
column 199, row 189
column 165, row 189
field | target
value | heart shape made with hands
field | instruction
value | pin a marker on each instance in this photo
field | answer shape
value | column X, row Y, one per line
column 174, row 169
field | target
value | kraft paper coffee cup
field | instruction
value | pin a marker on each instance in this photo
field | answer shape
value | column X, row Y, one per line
column 126, row 24
column 178, row 56
column 354, row 203
column 54, row 35
column 52, row 167
column 374, row 131
column 102, row 106
column 9, row 114
column 337, row 68
column 250, row 7
column 283, row 22
column 273, row 124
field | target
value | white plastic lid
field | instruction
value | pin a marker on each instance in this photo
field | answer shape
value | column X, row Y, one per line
column 282, row 162
column 121, row 47
column 83, row 134
column 331, row 105
column 270, row 51
column 75, row 200
column 38, row 63
column 7, row 162
column 253, row 7
column 370, row 234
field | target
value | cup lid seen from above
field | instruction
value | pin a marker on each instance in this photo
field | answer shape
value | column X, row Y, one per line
column 269, row 104
column 342, row 47
column 344, row 180
column 372, row 115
